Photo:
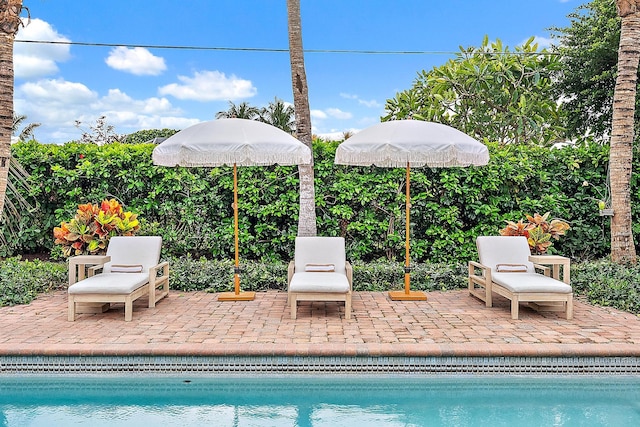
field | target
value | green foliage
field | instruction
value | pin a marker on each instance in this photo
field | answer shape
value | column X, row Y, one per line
column 22, row 281
column 191, row 208
column 89, row 231
column 189, row 274
column 589, row 56
column 148, row 135
column 490, row 93
column 384, row 276
column 608, row 284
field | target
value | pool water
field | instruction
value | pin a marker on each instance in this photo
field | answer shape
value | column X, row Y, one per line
column 320, row 401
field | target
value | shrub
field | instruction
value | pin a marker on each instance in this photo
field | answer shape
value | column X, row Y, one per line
column 22, row 281
column 89, row 231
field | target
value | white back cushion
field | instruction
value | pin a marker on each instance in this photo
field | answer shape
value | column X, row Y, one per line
column 134, row 250
column 493, row 250
column 320, row 250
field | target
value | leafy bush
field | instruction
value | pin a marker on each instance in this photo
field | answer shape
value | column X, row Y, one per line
column 89, row 231
column 608, row 284
column 191, row 208
column 22, row 281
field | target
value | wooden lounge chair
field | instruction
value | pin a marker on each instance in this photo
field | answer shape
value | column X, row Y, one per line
column 505, row 269
column 128, row 272
column 320, row 272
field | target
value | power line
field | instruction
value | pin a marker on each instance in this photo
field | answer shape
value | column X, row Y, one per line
column 271, row 50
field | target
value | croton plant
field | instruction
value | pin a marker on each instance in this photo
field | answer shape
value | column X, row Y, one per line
column 537, row 230
column 89, row 231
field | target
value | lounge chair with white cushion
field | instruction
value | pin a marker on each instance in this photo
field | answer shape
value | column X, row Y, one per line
column 320, row 272
column 505, row 269
column 130, row 270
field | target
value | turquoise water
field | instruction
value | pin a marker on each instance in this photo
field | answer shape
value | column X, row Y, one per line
column 320, row 401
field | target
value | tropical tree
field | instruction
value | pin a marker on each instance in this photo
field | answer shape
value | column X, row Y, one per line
column 307, row 216
column 240, row 111
column 280, row 115
column 10, row 22
column 588, row 51
column 489, row 92
column 622, row 131
column 27, row 132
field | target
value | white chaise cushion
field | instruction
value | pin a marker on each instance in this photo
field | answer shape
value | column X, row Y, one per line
column 494, row 250
column 320, row 250
column 530, row 282
column 319, row 282
column 110, row 283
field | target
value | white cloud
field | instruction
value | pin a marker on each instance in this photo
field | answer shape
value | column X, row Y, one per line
column 137, row 60
column 338, row 114
column 38, row 59
column 371, row 104
column 57, row 104
column 348, row 95
column 210, row 86
column 318, row 114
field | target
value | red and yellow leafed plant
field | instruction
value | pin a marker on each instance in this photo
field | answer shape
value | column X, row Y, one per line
column 89, row 231
column 537, row 230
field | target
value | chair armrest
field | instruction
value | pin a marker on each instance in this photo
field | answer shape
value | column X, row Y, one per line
column 545, row 270
column 349, row 270
column 92, row 271
column 473, row 265
column 290, row 270
column 163, row 268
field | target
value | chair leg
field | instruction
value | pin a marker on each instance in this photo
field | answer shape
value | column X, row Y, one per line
column 347, row 307
column 71, row 315
column 515, row 307
column 128, row 310
column 294, row 306
column 569, row 307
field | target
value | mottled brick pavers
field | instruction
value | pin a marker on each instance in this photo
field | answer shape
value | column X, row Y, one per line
column 195, row 323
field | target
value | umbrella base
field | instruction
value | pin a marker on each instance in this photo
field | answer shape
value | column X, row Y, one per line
column 410, row 296
column 232, row 296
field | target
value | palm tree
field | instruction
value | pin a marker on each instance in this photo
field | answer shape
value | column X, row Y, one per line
column 279, row 115
column 622, row 131
column 9, row 24
column 241, row 111
column 27, row 132
column 307, row 216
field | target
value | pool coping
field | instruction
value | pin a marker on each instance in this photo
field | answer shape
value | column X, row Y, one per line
column 329, row 349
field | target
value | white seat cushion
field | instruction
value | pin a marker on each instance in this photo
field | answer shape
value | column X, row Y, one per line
column 530, row 282
column 110, row 283
column 319, row 282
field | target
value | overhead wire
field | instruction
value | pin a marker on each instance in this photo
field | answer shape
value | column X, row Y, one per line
column 277, row 50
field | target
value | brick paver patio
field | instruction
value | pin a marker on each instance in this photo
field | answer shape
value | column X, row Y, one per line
column 195, row 323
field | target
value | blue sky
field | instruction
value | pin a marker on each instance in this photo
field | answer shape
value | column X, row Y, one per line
column 153, row 88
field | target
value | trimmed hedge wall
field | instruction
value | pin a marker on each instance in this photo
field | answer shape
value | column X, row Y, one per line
column 191, row 207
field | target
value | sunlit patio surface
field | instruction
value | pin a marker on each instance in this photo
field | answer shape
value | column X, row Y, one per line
column 197, row 324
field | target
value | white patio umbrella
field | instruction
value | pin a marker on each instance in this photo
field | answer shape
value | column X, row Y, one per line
column 231, row 142
column 411, row 143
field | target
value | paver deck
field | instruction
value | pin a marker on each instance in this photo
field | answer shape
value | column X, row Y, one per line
column 196, row 324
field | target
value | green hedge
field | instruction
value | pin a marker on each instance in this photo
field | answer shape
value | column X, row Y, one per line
column 191, row 207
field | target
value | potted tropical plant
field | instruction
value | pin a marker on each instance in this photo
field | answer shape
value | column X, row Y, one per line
column 537, row 230
column 89, row 231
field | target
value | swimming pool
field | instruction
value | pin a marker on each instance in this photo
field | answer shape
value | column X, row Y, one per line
column 325, row 400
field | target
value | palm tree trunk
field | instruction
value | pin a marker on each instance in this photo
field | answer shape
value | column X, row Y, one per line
column 622, row 132
column 9, row 24
column 307, row 219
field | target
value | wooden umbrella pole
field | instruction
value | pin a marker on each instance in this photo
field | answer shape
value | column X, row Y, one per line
column 407, row 262
column 236, row 276
column 236, row 295
column 407, row 294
